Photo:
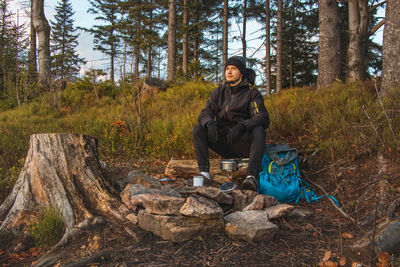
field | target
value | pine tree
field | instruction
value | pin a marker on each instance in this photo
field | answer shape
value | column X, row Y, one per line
column 65, row 60
column 106, row 39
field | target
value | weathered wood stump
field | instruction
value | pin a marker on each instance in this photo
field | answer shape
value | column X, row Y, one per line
column 63, row 171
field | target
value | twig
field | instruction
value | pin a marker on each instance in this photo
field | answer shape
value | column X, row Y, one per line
column 336, row 207
column 373, row 232
column 131, row 234
column 373, row 127
column 338, row 162
column 100, row 256
column 387, row 117
column 341, row 239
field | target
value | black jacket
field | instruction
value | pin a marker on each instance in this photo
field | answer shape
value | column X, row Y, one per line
column 231, row 105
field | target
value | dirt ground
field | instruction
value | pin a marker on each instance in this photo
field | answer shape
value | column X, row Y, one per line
column 323, row 238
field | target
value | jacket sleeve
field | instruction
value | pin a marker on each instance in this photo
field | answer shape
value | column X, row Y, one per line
column 258, row 111
column 211, row 109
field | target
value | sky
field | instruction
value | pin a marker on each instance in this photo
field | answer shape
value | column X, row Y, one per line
column 96, row 59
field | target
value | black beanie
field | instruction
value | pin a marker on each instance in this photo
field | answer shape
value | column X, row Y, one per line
column 238, row 62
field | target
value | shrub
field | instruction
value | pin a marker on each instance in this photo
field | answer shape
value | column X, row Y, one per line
column 49, row 228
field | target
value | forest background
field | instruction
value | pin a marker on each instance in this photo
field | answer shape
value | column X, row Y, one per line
column 341, row 99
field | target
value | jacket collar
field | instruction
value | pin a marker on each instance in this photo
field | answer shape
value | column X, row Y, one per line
column 233, row 89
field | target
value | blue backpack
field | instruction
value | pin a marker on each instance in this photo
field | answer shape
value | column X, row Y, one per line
column 280, row 176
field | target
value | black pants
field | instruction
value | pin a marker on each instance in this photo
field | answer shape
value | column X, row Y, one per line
column 251, row 145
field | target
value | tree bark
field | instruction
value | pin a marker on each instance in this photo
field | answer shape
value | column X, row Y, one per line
column 171, row 40
column 32, row 65
column 329, row 59
column 244, row 28
column 391, row 47
column 225, row 37
column 279, row 48
column 358, row 36
column 61, row 170
column 267, row 48
column 185, row 37
column 43, row 33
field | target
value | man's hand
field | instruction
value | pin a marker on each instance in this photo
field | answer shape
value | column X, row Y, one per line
column 235, row 132
column 212, row 131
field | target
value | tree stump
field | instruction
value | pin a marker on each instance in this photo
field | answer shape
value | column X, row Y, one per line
column 63, row 171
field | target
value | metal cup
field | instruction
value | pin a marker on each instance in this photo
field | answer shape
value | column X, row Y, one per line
column 198, row 180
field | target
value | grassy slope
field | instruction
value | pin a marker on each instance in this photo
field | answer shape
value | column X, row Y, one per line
column 333, row 121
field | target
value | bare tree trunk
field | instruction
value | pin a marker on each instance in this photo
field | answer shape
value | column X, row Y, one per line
column 267, row 48
column 185, row 37
column 149, row 50
column 32, row 72
column 17, row 65
column 171, row 40
column 112, row 57
column 244, row 28
column 225, row 37
column 279, row 49
column 391, row 41
column 124, row 62
column 43, row 32
column 329, row 59
column 196, row 46
column 2, row 44
column 63, row 171
column 358, row 34
column 137, row 58
column 137, row 49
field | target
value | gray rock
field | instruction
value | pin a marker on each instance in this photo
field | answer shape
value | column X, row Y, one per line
column 269, row 201
column 132, row 190
column 239, row 200
column 252, row 226
column 388, row 240
column 201, row 207
column 278, row 211
column 132, row 217
column 250, row 194
column 138, row 177
column 215, row 194
column 169, row 191
column 300, row 213
column 178, row 228
column 123, row 210
column 161, row 204
column 257, row 204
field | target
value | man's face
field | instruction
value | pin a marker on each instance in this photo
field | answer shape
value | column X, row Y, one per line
column 233, row 75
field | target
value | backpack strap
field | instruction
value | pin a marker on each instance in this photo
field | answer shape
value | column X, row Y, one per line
column 309, row 195
column 270, row 166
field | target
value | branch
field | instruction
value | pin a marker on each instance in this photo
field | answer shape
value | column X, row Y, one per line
column 373, row 7
column 387, row 117
column 338, row 208
column 376, row 27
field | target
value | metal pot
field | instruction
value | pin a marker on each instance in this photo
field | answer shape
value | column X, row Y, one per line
column 228, row 165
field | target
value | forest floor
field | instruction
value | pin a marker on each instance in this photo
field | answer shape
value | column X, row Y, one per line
column 323, row 238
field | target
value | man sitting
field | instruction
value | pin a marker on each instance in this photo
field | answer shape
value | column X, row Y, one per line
column 233, row 123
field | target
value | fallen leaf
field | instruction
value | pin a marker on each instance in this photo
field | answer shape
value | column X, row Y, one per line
column 327, row 256
column 347, row 235
column 342, row 261
column 383, row 259
column 328, row 264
